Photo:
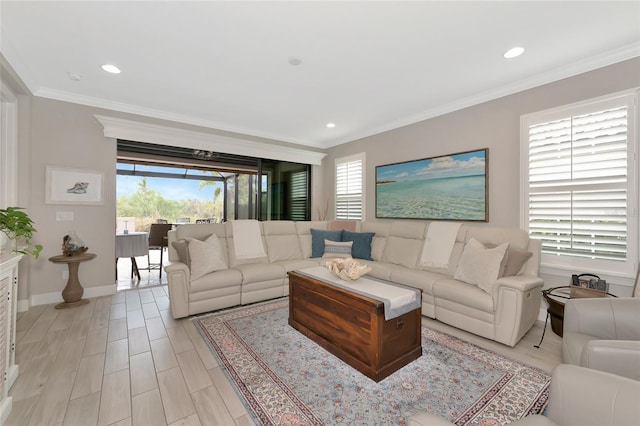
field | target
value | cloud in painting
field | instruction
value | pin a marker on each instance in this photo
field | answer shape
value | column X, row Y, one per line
column 450, row 167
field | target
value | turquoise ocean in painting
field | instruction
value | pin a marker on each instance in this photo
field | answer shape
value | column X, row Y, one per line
column 456, row 198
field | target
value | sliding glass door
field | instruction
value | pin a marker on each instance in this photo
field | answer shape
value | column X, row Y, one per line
column 236, row 187
column 284, row 191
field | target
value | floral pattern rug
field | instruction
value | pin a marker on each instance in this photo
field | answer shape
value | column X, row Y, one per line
column 284, row 378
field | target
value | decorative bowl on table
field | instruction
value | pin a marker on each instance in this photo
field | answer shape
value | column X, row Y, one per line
column 347, row 269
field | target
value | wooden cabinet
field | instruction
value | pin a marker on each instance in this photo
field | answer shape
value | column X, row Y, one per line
column 8, row 300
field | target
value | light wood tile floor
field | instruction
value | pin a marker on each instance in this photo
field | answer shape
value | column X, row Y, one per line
column 122, row 360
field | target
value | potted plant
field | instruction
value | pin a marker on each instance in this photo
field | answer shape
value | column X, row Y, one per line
column 18, row 227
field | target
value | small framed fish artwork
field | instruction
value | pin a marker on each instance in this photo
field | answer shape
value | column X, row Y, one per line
column 74, row 186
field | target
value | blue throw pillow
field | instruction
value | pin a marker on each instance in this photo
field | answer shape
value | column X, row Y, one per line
column 317, row 240
column 361, row 248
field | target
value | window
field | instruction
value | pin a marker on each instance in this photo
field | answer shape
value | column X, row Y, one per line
column 350, row 187
column 580, row 197
column 298, row 196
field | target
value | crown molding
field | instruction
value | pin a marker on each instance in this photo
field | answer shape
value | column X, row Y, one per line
column 60, row 95
column 119, row 128
column 609, row 58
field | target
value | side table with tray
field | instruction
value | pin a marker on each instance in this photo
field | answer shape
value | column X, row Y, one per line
column 581, row 286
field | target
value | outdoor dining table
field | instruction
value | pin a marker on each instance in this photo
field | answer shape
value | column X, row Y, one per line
column 131, row 245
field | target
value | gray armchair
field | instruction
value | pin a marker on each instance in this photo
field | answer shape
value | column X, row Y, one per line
column 603, row 334
column 577, row 397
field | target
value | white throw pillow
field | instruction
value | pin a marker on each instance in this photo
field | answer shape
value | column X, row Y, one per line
column 480, row 265
column 336, row 249
column 206, row 256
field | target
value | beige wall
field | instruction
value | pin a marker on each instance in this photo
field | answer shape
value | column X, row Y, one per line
column 63, row 134
column 494, row 125
column 67, row 135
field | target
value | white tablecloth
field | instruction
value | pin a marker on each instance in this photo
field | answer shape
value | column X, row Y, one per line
column 132, row 244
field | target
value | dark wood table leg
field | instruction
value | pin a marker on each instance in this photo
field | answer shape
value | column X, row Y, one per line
column 134, row 268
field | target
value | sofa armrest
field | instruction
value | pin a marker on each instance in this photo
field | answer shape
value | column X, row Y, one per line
column 178, row 279
column 521, row 283
column 516, row 301
column 621, row 357
column 603, row 318
column 175, row 267
column 582, row 396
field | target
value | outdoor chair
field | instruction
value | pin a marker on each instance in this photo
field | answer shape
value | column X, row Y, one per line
column 158, row 241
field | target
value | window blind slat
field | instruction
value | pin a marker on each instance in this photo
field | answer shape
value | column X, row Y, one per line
column 349, row 196
column 577, row 185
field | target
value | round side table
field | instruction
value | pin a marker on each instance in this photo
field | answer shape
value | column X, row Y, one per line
column 72, row 293
column 556, row 298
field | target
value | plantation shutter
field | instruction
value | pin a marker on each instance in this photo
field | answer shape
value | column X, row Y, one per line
column 349, row 184
column 578, row 184
column 299, row 196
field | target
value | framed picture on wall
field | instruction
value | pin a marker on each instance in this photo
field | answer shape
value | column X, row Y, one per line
column 74, row 186
column 449, row 187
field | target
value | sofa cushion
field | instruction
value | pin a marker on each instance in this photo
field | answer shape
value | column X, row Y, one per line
column 381, row 231
column 480, row 265
column 182, row 248
column 294, row 264
column 282, row 247
column 422, row 280
column 303, row 228
column 233, row 261
column 226, row 278
column 513, row 261
column 317, row 240
column 467, row 296
column 516, row 259
column 337, row 249
column 257, row 272
column 402, row 251
column 206, row 256
column 404, row 244
column 361, row 248
column 381, row 270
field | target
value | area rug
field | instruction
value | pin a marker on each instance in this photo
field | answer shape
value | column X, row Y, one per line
column 286, row 379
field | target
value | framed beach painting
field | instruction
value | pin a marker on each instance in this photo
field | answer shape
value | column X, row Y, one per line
column 74, row 186
column 450, row 187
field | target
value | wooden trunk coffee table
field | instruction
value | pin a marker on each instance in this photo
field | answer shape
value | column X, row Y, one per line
column 352, row 326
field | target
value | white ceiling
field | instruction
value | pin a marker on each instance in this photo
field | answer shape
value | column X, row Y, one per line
column 366, row 66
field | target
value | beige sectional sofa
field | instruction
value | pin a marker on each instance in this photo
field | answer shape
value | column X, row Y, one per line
column 503, row 312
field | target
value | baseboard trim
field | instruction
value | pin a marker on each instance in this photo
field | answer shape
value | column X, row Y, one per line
column 56, row 297
column 542, row 315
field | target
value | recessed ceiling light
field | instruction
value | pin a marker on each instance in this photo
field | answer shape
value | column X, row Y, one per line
column 331, row 125
column 111, row 68
column 514, row 52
